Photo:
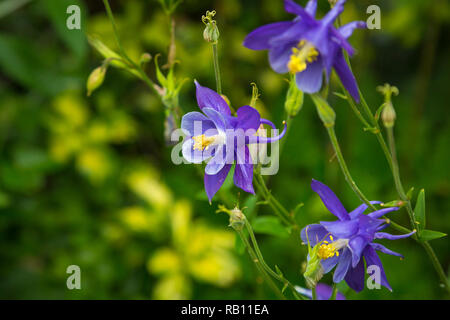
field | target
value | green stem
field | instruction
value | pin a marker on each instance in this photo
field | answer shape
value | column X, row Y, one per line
column 393, row 164
column 436, row 264
column 259, row 266
column 124, row 55
column 259, row 255
column 314, row 293
column 216, row 68
column 401, row 192
column 396, row 175
column 334, row 293
column 350, row 180
column 344, row 168
column 355, row 108
column 276, row 206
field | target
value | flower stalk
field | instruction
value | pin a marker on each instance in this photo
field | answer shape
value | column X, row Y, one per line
column 276, row 206
column 393, row 164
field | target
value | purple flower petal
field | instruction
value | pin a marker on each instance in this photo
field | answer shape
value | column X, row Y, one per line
column 357, row 245
column 355, row 276
column 330, row 263
column 334, row 12
column 248, row 118
column 346, row 76
column 341, row 229
column 291, row 7
column 279, row 57
column 311, row 7
column 196, row 123
column 372, row 259
column 368, row 226
column 259, row 38
column 324, row 292
column 214, row 182
column 347, row 30
column 217, row 118
column 194, row 156
column 360, row 210
column 243, row 173
column 342, row 41
column 310, row 79
column 316, row 233
column 217, row 162
column 345, row 260
column 383, row 235
column 381, row 212
column 380, row 247
column 330, row 200
column 292, row 35
column 207, row 98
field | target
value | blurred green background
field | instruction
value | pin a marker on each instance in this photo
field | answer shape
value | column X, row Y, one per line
column 89, row 181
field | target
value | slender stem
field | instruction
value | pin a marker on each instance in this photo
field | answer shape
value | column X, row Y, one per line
column 355, row 108
column 396, row 174
column 259, row 266
column 314, row 293
column 350, row 180
column 266, row 266
column 334, row 293
column 216, row 68
column 116, row 34
column 276, row 206
column 393, row 164
column 124, row 55
column 436, row 264
column 401, row 192
column 344, row 167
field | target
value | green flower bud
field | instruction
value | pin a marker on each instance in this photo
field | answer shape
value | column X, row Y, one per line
column 95, row 79
column 326, row 113
column 237, row 219
column 294, row 99
column 211, row 32
column 388, row 115
column 145, row 57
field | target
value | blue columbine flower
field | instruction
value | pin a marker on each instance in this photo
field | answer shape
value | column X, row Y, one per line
column 345, row 242
column 306, row 46
column 218, row 136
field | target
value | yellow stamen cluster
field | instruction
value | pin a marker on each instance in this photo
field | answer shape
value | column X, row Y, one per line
column 304, row 53
column 327, row 250
column 202, row 142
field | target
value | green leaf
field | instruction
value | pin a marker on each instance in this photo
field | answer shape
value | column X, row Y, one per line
column 270, row 225
column 427, row 235
column 419, row 211
column 159, row 75
column 278, row 270
column 340, row 95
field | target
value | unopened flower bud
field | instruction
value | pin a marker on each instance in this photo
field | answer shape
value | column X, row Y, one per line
column 145, row 57
column 237, row 219
column 294, row 99
column 388, row 115
column 211, row 32
column 95, row 79
column 326, row 113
